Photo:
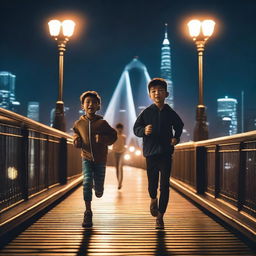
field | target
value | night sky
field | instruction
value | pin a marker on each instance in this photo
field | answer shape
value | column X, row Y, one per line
column 110, row 33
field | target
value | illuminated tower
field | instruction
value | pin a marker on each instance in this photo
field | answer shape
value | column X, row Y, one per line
column 129, row 98
column 166, row 67
column 7, row 91
column 227, row 111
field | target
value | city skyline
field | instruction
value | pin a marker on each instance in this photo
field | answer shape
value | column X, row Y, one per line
column 109, row 34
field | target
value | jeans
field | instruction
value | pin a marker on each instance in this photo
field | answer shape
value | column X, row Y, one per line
column 159, row 164
column 93, row 177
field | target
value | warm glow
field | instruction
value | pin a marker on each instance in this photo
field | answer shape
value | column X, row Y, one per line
column 54, row 27
column 12, row 173
column 68, row 27
column 194, row 27
column 137, row 152
column 208, row 27
column 131, row 148
column 127, row 157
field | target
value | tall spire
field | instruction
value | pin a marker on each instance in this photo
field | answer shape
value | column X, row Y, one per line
column 166, row 41
column 166, row 31
column 166, row 66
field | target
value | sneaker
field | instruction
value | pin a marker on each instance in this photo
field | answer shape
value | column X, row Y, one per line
column 153, row 207
column 159, row 223
column 98, row 193
column 87, row 223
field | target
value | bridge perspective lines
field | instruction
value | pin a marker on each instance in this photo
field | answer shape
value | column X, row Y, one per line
column 123, row 226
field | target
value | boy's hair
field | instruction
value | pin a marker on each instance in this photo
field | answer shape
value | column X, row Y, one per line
column 90, row 94
column 119, row 125
column 157, row 82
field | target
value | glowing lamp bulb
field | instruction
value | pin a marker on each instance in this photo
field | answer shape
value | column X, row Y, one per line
column 131, row 148
column 68, row 27
column 137, row 152
column 54, row 27
column 194, row 27
column 127, row 157
column 208, row 27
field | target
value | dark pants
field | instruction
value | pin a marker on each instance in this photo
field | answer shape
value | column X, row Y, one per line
column 159, row 164
column 119, row 167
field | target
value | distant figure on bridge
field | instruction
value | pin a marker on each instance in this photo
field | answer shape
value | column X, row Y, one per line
column 92, row 135
column 119, row 149
column 156, row 125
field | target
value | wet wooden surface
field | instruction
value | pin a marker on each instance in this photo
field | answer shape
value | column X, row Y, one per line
column 124, row 226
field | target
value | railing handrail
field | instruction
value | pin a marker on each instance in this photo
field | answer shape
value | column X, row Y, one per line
column 22, row 121
column 239, row 137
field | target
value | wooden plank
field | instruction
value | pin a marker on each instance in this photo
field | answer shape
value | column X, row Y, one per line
column 124, row 226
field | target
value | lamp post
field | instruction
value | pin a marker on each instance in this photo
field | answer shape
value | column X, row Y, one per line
column 201, row 32
column 61, row 32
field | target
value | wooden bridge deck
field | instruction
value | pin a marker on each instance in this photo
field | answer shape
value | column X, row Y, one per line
column 124, row 226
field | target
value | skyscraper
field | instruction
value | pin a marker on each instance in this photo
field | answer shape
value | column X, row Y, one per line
column 227, row 112
column 33, row 110
column 7, row 91
column 166, row 67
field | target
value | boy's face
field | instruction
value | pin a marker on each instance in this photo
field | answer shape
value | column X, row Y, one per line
column 119, row 130
column 157, row 94
column 90, row 105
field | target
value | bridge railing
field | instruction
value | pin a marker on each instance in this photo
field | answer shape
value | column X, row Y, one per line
column 222, row 169
column 33, row 158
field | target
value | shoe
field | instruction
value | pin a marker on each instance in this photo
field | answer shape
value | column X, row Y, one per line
column 87, row 223
column 119, row 186
column 159, row 223
column 153, row 207
column 98, row 193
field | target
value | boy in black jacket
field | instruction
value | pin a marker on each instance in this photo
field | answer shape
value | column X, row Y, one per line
column 156, row 125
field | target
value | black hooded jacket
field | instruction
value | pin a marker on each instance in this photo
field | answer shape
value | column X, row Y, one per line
column 166, row 124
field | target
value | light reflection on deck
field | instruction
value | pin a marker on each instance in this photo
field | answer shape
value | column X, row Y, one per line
column 124, row 226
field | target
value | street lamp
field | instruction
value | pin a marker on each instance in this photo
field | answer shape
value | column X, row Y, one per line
column 61, row 32
column 200, row 32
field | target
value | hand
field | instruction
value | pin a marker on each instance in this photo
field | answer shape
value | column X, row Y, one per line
column 78, row 143
column 148, row 129
column 97, row 138
column 174, row 141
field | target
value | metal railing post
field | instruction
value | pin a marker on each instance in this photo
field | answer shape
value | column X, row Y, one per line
column 241, row 177
column 200, row 169
column 63, row 161
column 24, row 162
column 217, row 172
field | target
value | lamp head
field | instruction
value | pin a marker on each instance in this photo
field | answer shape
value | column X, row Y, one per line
column 202, row 29
column 68, row 27
column 208, row 27
column 194, row 27
column 63, row 29
column 54, row 27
